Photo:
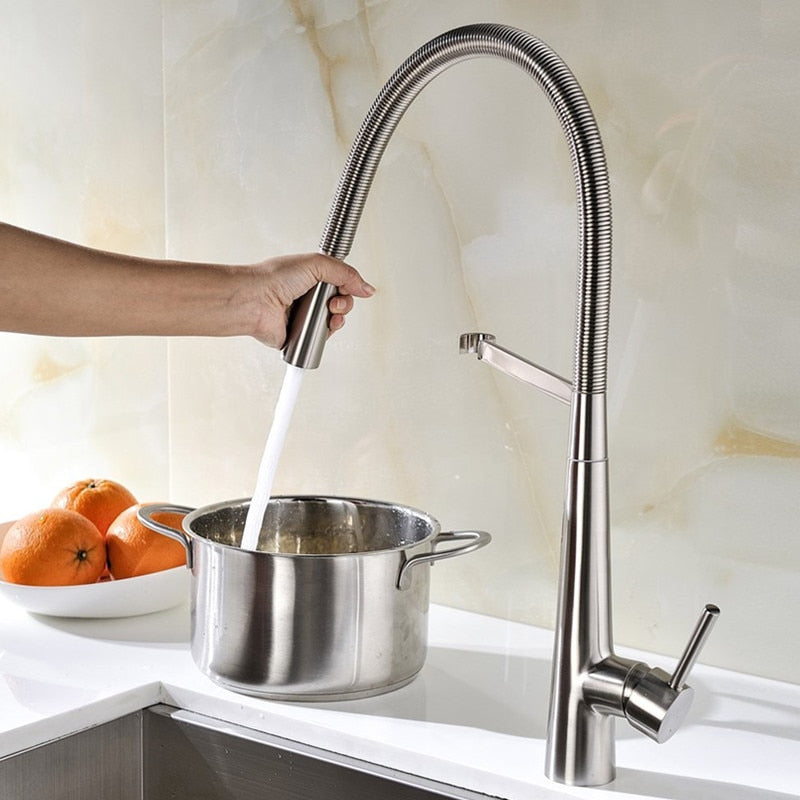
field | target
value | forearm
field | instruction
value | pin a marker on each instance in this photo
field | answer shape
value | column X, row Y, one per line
column 48, row 286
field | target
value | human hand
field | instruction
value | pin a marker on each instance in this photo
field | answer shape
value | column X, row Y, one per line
column 282, row 280
column 56, row 288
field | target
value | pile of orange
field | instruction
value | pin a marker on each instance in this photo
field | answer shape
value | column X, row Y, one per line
column 90, row 532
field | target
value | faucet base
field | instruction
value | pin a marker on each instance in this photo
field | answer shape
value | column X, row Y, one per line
column 584, row 755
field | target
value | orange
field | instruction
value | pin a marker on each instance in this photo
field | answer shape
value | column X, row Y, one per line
column 133, row 549
column 100, row 501
column 54, row 547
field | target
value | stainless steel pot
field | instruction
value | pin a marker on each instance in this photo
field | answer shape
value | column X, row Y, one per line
column 344, row 615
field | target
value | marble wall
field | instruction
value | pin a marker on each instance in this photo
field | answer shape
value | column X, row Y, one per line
column 217, row 130
column 81, row 158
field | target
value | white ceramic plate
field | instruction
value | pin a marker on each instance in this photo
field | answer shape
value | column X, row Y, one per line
column 128, row 597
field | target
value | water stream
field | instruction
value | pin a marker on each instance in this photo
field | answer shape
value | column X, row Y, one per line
column 272, row 452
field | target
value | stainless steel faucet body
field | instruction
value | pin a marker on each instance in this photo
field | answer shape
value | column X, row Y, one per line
column 590, row 684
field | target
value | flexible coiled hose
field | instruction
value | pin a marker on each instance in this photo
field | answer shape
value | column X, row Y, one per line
column 586, row 149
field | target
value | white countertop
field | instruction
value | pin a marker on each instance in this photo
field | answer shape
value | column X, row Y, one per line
column 474, row 717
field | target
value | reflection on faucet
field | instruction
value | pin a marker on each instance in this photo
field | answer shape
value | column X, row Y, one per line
column 590, row 684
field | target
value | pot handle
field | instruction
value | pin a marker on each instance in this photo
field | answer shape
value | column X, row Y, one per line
column 476, row 539
column 145, row 516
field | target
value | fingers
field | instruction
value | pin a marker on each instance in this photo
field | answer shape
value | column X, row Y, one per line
column 283, row 280
column 339, row 305
column 335, row 323
column 349, row 282
column 348, row 279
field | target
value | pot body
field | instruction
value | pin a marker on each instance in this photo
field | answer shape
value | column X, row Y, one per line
column 313, row 626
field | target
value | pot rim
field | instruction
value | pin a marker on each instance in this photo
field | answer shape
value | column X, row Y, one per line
column 433, row 525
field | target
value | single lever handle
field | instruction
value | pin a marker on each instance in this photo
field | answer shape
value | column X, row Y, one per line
column 656, row 703
column 696, row 642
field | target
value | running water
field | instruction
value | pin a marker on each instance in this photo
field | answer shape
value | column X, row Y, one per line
column 272, row 452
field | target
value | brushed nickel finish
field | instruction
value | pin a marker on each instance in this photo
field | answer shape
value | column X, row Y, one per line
column 485, row 347
column 590, row 684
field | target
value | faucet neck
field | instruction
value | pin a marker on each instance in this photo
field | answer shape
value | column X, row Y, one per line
column 580, row 741
column 588, row 166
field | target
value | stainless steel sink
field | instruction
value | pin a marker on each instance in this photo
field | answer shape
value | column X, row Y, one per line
column 163, row 753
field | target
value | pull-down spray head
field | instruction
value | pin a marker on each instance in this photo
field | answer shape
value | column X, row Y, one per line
column 308, row 327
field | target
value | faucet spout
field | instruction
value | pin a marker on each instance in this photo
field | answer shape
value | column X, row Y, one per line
column 484, row 346
column 590, row 684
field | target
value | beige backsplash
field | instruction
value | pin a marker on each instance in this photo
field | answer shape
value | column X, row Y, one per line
column 217, row 131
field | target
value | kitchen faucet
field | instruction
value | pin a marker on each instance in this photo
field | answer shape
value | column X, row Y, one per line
column 590, row 683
